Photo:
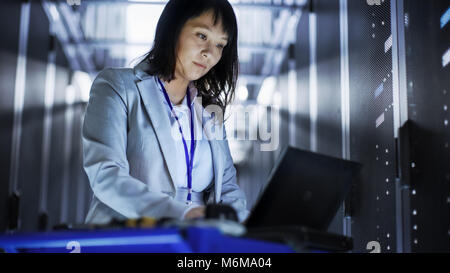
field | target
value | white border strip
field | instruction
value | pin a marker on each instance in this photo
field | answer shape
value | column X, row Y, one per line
column 313, row 80
column 292, row 102
column 388, row 44
column 446, row 58
column 47, row 130
column 345, row 97
column 19, row 93
column 345, row 80
column 65, row 194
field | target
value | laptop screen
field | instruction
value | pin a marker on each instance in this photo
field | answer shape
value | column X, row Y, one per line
column 304, row 189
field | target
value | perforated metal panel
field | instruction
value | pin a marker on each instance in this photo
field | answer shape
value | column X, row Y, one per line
column 427, row 37
column 371, row 124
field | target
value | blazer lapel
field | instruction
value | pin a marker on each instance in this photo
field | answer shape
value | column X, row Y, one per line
column 161, row 123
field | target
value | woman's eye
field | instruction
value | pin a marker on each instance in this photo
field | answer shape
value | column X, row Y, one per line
column 202, row 36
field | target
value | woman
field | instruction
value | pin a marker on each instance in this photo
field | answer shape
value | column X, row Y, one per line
column 146, row 148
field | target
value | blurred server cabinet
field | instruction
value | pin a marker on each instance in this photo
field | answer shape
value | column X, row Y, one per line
column 373, row 86
column 42, row 181
column 29, row 156
column 426, row 167
column 372, row 139
column 9, row 46
column 328, row 125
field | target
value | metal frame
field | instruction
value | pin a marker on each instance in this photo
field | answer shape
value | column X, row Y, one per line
column 69, row 120
column 313, row 80
column 345, row 97
column 73, row 26
column 292, row 104
column 287, row 25
column 66, row 28
column 77, row 49
column 345, row 80
column 240, row 4
column 61, row 34
column 400, row 105
column 47, row 126
column 19, row 94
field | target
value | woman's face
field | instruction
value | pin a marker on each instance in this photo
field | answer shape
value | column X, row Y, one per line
column 200, row 47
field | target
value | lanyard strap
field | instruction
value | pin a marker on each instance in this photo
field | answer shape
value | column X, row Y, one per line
column 189, row 159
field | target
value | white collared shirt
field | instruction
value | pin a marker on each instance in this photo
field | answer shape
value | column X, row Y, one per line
column 202, row 170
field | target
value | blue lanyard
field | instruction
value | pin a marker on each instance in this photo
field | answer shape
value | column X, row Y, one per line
column 189, row 160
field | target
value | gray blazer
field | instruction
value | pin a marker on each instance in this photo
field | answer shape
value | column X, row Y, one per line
column 128, row 152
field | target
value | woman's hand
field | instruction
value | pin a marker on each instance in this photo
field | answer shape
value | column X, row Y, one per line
column 197, row 212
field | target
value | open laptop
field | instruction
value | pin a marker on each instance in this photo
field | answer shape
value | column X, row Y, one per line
column 304, row 188
column 304, row 191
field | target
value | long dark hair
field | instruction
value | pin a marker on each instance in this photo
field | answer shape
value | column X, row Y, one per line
column 218, row 86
